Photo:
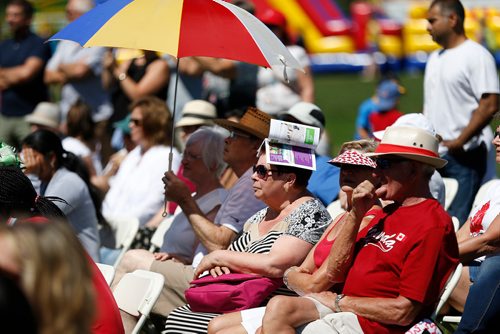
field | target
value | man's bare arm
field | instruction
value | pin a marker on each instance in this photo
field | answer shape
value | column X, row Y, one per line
column 481, row 117
column 399, row 311
column 212, row 236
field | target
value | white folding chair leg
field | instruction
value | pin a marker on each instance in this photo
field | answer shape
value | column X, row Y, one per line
column 451, row 318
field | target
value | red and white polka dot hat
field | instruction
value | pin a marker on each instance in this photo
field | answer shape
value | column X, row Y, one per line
column 353, row 157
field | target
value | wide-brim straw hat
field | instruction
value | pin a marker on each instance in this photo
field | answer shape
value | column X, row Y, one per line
column 254, row 122
column 410, row 143
column 197, row 112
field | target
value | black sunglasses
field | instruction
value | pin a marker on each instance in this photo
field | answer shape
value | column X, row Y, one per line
column 262, row 171
column 496, row 134
column 136, row 121
column 384, row 163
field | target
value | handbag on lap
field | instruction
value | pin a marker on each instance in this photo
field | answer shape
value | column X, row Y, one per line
column 230, row 292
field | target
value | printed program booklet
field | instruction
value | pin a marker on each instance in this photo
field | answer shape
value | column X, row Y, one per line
column 292, row 144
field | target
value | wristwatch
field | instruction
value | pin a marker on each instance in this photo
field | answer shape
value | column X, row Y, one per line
column 122, row 76
column 337, row 301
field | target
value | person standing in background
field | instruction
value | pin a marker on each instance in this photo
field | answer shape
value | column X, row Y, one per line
column 78, row 70
column 461, row 92
column 22, row 62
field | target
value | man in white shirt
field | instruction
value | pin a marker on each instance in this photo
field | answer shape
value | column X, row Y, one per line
column 461, row 92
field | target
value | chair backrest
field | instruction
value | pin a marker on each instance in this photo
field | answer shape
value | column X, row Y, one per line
column 483, row 191
column 448, row 288
column 157, row 238
column 107, row 271
column 451, row 188
column 334, row 208
column 125, row 229
column 456, row 223
column 136, row 294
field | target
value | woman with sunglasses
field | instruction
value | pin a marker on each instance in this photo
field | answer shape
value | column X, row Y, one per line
column 136, row 190
column 274, row 239
column 311, row 275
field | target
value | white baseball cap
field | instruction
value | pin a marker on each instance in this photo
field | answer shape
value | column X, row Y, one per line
column 307, row 113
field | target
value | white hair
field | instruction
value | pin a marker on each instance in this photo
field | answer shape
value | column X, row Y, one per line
column 212, row 148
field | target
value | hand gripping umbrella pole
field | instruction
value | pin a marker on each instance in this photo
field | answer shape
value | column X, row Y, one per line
column 170, row 154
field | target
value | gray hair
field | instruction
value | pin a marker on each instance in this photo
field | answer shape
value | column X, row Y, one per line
column 212, row 148
column 361, row 145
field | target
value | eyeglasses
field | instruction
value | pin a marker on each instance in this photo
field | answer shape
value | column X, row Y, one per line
column 262, row 172
column 496, row 134
column 135, row 121
column 234, row 135
column 384, row 163
column 190, row 156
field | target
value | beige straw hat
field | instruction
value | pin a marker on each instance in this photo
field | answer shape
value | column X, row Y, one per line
column 412, row 143
column 197, row 112
column 45, row 113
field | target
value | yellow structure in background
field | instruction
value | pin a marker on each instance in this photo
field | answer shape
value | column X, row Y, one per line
column 481, row 25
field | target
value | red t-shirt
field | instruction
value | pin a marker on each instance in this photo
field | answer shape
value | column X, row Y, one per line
column 410, row 252
column 108, row 319
column 381, row 120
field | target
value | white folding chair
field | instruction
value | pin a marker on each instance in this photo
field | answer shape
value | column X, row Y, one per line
column 451, row 188
column 456, row 223
column 448, row 289
column 334, row 208
column 157, row 238
column 136, row 294
column 107, row 271
column 124, row 229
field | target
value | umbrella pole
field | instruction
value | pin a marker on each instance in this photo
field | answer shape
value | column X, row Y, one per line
column 170, row 154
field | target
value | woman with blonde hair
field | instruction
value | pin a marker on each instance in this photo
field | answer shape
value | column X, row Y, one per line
column 53, row 271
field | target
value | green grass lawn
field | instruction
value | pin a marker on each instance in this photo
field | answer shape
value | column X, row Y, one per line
column 339, row 96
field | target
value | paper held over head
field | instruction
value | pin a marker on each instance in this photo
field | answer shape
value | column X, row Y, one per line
column 292, row 144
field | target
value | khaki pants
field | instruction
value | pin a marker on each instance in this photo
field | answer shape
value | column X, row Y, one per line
column 177, row 278
column 13, row 130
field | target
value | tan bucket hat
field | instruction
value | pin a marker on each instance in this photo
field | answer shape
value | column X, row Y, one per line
column 412, row 143
column 197, row 112
column 254, row 122
column 46, row 114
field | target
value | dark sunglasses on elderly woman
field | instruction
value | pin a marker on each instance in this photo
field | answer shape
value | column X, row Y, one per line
column 262, row 171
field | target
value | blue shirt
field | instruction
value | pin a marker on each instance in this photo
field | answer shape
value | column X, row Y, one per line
column 363, row 118
column 20, row 100
column 324, row 181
